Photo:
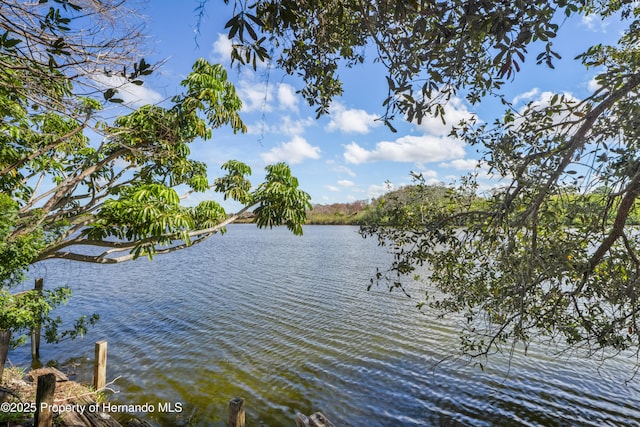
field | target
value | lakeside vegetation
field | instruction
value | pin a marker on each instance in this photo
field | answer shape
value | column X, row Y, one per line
column 355, row 213
column 395, row 207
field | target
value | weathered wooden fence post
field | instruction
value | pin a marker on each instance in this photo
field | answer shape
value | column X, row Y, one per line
column 5, row 338
column 44, row 400
column 314, row 420
column 236, row 412
column 35, row 331
column 100, row 365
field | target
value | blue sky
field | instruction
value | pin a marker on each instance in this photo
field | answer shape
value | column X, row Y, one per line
column 348, row 155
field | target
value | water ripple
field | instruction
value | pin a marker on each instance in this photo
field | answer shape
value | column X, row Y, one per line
column 287, row 323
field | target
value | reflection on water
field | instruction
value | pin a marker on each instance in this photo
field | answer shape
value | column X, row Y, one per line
column 286, row 322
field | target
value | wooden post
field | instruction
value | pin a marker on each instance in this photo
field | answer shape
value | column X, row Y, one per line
column 302, row 420
column 315, row 420
column 35, row 331
column 236, row 412
column 44, row 400
column 319, row 420
column 5, row 338
column 100, row 366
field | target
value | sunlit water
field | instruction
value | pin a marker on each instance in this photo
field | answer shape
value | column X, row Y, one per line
column 287, row 323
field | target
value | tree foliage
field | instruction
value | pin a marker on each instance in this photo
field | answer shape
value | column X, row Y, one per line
column 431, row 50
column 46, row 43
column 354, row 213
column 121, row 194
column 546, row 254
column 80, row 186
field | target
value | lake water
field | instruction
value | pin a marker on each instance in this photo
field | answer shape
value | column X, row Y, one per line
column 287, row 323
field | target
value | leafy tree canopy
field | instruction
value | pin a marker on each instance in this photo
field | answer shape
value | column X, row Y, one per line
column 545, row 254
column 75, row 185
column 430, row 50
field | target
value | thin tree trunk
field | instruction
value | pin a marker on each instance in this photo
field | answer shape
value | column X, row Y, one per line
column 5, row 338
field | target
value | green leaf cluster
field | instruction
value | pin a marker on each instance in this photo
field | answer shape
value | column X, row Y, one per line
column 280, row 201
column 431, row 51
column 122, row 193
column 71, row 177
column 20, row 313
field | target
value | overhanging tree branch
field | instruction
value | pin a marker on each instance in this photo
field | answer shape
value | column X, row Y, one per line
column 48, row 147
column 579, row 139
column 103, row 258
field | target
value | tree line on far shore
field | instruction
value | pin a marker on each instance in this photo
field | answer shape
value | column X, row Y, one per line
column 397, row 206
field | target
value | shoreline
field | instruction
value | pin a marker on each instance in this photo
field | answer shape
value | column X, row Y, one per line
column 73, row 404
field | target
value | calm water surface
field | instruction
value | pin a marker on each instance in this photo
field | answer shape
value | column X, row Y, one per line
column 286, row 322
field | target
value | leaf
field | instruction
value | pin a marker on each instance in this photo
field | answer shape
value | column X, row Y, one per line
column 255, row 19
column 231, row 22
column 109, row 93
column 251, row 31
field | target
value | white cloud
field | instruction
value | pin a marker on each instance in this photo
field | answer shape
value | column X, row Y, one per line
column 332, row 188
column 595, row 23
column 346, row 183
column 429, row 173
column 461, row 164
column 434, row 181
column 454, row 111
column 294, row 151
column 411, row 149
column 222, row 48
column 343, row 169
column 526, row 96
column 478, row 168
column 254, row 95
column 287, row 97
column 378, row 190
column 285, row 126
column 593, row 85
column 132, row 95
column 587, row 21
column 351, row 120
column 291, row 127
column 543, row 101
